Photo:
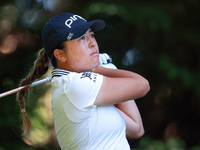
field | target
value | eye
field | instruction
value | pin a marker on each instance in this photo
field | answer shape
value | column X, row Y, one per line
column 82, row 38
column 92, row 35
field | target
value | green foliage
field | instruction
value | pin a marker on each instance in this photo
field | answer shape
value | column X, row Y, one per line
column 148, row 143
column 173, row 71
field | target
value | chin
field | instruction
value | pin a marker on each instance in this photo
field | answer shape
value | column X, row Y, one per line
column 97, row 64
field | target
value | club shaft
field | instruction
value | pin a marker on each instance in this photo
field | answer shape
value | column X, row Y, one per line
column 47, row 79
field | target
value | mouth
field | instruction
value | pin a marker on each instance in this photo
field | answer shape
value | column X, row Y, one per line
column 95, row 53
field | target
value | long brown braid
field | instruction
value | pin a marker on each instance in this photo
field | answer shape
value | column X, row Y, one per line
column 39, row 69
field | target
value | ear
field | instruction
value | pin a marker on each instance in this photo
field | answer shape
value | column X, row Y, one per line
column 60, row 55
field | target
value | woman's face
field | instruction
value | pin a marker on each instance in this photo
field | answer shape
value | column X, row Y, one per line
column 82, row 54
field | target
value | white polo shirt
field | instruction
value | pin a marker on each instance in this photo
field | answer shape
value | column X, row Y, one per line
column 79, row 124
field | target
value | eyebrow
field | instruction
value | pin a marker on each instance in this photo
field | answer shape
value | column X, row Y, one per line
column 90, row 30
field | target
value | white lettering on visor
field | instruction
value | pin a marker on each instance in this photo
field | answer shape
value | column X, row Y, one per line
column 69, row 22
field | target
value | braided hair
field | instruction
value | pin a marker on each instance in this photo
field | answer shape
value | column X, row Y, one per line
column 39, row 69
column 41, row 66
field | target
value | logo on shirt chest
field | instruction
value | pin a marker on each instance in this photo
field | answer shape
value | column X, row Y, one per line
column 89, row 75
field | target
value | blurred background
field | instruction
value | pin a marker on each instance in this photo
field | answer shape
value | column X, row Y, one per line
column 157, row 39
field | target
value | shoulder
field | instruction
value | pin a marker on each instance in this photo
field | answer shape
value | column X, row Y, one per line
column 86, row 80
column 74, row 78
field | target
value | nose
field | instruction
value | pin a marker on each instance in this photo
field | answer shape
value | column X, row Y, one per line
column 91, row 41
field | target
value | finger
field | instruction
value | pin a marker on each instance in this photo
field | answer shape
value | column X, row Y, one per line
column 100, row 59
column 104, row 58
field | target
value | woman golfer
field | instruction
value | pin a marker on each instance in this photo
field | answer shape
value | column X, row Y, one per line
column 93, row 106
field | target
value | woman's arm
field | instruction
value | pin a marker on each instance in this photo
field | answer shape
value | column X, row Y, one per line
column 131, row 115
column 120, row 86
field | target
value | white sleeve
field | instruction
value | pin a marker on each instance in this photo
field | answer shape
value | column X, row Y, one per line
column 83, row 90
